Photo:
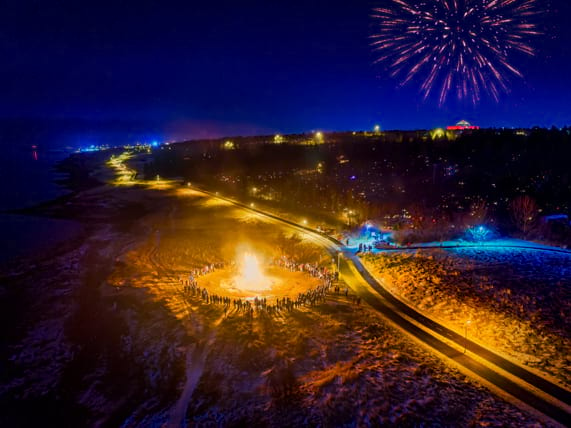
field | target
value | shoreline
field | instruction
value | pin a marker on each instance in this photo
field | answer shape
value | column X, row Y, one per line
column 31, row 231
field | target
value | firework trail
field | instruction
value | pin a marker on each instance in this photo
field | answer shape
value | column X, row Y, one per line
column 461, row 46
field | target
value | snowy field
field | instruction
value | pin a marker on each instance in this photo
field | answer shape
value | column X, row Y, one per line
column 518, row 301
column 103, row 333
column 331, row 364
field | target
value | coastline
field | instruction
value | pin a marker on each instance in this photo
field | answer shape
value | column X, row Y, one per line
column 31, row 231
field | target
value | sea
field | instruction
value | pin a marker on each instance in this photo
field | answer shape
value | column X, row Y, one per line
column 30, row 150
column 27, row 178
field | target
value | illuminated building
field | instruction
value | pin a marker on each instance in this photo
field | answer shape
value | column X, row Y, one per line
column 463, row 126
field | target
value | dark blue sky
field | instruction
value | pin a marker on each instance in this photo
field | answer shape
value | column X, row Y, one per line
column 231, row 67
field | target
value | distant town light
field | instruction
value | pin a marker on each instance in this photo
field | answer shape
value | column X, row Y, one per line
column 229, row 145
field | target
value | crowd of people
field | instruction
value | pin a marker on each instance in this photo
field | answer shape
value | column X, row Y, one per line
column 365, row 248
column 312, row 269
column 192, row 283
column 248, row 307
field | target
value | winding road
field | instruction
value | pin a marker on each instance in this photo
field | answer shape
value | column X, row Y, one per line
column 520, row 383
column 527, row 387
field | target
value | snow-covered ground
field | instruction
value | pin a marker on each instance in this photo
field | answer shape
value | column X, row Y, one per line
column 517, row 300
column 331, row 364
column 104, row 335
column 355, row 239
column 345, row 367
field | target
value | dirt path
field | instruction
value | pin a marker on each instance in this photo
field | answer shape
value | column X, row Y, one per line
column 195, row 361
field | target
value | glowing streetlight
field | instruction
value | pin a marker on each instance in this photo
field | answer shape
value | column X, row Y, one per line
column 229, row 145
column 252, row 205
column 466, row 324
column 377, row 129
column 438, row 133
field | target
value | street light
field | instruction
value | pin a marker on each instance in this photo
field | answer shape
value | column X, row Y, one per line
column 466, row 324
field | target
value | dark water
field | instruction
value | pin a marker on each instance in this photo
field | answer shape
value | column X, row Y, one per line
column 27, row 177
column 31, row 147
column 29, row 150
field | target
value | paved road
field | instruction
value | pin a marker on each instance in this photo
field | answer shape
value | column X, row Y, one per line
column 386, row 306
column 371, row 291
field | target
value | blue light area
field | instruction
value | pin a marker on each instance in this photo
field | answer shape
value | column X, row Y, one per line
column 89, row 149
column 479, row 233
column 93, row 148
column 155, row 144
column 353, row 177
column 370, row 232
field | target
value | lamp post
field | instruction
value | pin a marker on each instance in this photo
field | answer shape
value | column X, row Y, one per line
column 466, row 324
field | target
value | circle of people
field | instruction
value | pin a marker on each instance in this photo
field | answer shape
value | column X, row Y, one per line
column 260, row 304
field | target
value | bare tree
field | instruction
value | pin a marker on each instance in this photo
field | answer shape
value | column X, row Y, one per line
column 420, row 216
column 524, row 213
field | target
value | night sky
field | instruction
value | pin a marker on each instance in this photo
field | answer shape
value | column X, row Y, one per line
column 243, row 67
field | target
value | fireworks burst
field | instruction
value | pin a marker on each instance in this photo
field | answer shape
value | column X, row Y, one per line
column 462, row 46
